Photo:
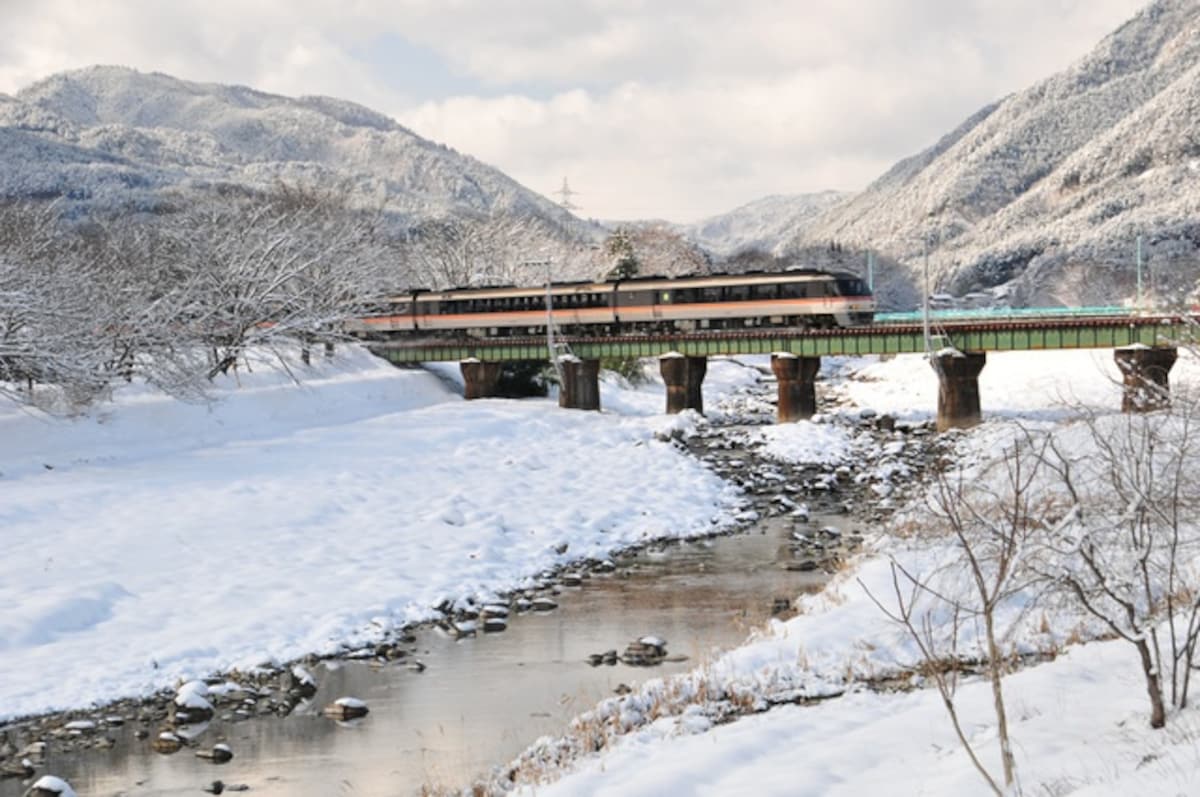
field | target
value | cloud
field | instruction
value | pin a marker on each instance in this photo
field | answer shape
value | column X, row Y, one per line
column 674, row 108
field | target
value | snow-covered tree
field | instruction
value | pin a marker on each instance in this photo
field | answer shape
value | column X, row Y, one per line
column 256, row 270
column 622, row 260
column 1127, row 546
column 47, row 294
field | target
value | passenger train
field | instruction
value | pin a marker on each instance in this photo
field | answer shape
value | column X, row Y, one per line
column 813, row 299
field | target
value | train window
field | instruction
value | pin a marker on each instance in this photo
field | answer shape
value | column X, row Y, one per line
column 711, row 294
column 765, row 292
column 792, row 290
column 854, row 287
column 737, row 293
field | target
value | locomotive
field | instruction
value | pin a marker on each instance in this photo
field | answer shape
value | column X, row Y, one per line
column 805, row 299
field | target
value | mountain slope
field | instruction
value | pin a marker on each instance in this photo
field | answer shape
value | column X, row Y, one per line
column 761, row 224
column 1051, row 186
column 163, row 132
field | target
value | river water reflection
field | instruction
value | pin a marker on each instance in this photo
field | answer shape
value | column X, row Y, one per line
column 482, row 700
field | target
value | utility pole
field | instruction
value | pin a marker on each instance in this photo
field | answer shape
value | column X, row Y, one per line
column 556, row 347
column 1138, row 302
column 925, row 307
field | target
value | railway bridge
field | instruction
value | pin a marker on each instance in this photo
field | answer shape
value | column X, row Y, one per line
column 957, row 346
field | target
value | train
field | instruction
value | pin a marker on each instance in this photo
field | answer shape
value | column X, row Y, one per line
column 802, row 298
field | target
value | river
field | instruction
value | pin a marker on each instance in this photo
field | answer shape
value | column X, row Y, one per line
column 482, row 700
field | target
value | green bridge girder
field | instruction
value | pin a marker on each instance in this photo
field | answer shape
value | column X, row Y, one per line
column 974, row 336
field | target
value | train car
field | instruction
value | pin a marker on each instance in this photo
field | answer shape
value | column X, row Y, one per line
column 643, row 304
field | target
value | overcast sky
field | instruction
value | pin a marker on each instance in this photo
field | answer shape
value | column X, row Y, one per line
column 674, row 109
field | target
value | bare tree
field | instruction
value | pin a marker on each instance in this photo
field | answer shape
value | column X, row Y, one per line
column 260, row 270
column 460, row 251
column 344, row 262
column 140, row 309
column 992, row 519
column 47, row 291
column 1126, row 546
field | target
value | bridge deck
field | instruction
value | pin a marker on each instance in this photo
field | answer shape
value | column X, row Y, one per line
column 969, row 335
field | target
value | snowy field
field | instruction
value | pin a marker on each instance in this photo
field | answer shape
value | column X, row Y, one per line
column 1078, row 723
column 153, row 541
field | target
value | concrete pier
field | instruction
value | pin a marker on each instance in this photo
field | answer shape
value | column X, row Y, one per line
column 958, row 389
column 684, row 377
column 796, row 377
column 1145, row 370
column 580, row 388
column 481, row 378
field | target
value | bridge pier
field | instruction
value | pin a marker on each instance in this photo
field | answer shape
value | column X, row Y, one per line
column 1145, row 370
column 958, row 389
column 580, row 388
column 684, row 377
column 481, row 379
column 796, row 377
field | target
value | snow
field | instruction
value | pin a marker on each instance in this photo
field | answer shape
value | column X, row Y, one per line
column 806, row 442
column 1044, row 190
column 193, row 695
column 1078, row 722
column 53, row 785
column 168, row 541
column 160, row 542
column 303, row 676
column 1032, row 385
column 762, row 224
column 869, row 743
column 112, row 134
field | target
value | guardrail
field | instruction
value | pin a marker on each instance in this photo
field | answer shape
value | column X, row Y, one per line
column 1028, row 332
column 989, row 313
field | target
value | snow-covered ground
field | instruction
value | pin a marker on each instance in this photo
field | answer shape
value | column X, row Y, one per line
column 1079, row 723
column 152, row 541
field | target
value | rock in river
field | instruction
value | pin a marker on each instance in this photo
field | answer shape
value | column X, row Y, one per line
column 492, row 625
column 167, row 743
column 346, row 708
column 219, row 754
column 50, row 786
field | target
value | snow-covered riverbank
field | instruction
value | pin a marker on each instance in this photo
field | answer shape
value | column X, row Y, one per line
column 1079, row 723
column 153, row 541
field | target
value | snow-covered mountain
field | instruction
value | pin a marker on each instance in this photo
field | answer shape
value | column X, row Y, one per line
column 1049, row 188
column 763, row 224
column 114, row 135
